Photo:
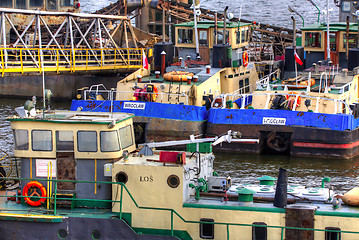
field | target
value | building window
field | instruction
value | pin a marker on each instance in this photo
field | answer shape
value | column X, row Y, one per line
column 125, row 135
column 41, row 140
column 203, row 37
column 87, row 141
column 259, row 233
column 185, row 36
column 64, row 141
column 20, row 4
column 206, row 230
column 36, row 3
column 332, row 235
column 67, row 3
column 21, row 138
column 313, row 39
column 51, row 4
column 6, row 3
column 109, row 141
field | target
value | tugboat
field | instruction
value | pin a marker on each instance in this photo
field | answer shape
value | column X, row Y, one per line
column 172, row 102
column 81, row 178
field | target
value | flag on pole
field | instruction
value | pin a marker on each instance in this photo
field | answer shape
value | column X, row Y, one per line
column 297, row 58
column 144, row 60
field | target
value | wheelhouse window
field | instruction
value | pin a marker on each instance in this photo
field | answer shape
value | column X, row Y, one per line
column 203, row 37
column 109, row 141
column 352, row 40
column 185, row 36
column 21, row 138
column 6, row 3
column 220, row 36
column 36, row 3
column 51, row 4
column 242, row 35
column 20, row 4
column 87, row 141
column 125, row 135
column 64, row 141
column 333, row 42
column 41, row 140
column 67, row 3
column 313, row 39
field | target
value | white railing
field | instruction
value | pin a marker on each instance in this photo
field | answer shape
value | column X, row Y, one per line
column 266, row 79
column 224, row 97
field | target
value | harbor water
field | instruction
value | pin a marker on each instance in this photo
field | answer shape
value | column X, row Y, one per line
column 242, row 168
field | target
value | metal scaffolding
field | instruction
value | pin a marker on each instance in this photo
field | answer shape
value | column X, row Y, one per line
column 64, row 41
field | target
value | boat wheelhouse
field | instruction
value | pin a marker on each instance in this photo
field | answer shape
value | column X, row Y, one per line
column 342, row 38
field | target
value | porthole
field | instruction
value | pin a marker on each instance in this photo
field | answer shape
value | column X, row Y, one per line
column 96, row 234
column 121, row 177
column 62, row 233
column 173, row 181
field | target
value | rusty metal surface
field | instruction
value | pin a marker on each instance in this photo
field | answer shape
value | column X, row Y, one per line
column 302, row 218
column 66, row 170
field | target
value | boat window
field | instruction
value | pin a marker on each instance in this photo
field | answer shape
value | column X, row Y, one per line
column 246, row 83
column 36, row 3
column 203, row 37
column 20, row 4
column 333, row 42
column 109, row 141
column 51, row 4
column 67, row 3
column 206, row 230
column 352, row 40
column 125, row 135
column 21, row 138
column 313, row 39
column 64, row 141
column 259, row 233
column 41, row 140
column 220, row 36
column 242, row 35
column 6, row 3
column 87, row 141
column 332, row 235
column 185, row 36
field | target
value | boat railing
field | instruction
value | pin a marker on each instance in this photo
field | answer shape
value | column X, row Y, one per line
column 53, row 59
column 92, row 93
column 246, row 97
column 119, row 199
column 264, row 81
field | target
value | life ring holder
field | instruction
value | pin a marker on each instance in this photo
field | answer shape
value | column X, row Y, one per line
column 27, row 198
column 217, row 103
column 245, row 59
column 299, row 99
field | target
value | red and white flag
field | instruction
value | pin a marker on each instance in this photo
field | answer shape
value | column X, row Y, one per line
column 144, row 60
column 297, row 58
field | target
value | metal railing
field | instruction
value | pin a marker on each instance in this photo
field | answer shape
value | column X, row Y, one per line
column 173, row 212
column 233, row 97
column 96, row 90
column 23, row 60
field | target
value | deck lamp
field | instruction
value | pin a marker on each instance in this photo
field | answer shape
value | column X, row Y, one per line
column 294, row 11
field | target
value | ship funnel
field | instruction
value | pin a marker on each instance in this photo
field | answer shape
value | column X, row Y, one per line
column 280, row 198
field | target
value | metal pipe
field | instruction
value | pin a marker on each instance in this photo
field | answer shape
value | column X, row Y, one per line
column 316, row 8
column 328, row 33
column 215, row 28
column 347, row 40
column 163, row 23
column 224, row 26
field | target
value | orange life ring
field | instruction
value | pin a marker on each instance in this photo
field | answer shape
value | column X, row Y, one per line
column 25, row 193
column 177, row 76
column 245, row 59
column 299, row 99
